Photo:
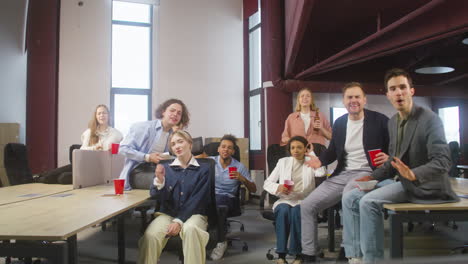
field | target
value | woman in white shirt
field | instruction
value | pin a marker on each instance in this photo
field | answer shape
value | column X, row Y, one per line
column 99, row 135
column 287, row 208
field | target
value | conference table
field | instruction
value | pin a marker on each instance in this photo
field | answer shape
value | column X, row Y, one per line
column 60, row 217
column 23, row 192
column 408, row 212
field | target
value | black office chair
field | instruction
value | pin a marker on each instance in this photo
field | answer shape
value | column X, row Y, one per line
column 18, row 172
column 455, row 156
column 16, row 164
column 211, row 149
column 215, row 218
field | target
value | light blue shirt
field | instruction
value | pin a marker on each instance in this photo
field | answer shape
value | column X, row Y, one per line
column 137, row 143
column 223, row 184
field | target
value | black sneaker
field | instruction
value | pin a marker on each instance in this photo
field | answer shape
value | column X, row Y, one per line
column 306, row 259
column 341, row 256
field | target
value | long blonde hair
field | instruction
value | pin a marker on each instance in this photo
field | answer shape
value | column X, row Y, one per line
column 93, row 125
column 298, row 104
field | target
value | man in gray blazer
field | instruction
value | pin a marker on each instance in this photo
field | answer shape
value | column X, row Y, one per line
column 419, row 155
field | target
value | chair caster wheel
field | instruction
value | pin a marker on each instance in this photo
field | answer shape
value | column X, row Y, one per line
column 270, row 256
column 245, row 247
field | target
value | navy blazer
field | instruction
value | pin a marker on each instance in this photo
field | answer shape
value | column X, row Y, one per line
column 374, row 136
column 186, row 192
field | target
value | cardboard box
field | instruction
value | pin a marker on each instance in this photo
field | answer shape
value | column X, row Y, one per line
column 242, row 143
column 9, row 133
column 258, row 177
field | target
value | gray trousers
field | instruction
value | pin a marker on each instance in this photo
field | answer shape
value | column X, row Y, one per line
column 326, row 195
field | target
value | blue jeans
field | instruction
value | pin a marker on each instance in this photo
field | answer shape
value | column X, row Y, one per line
column 288, row 225
column 363, row 228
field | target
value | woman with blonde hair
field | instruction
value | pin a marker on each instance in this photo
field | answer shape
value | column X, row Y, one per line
column 99, row 135
column 306, row 121
column 183, row 187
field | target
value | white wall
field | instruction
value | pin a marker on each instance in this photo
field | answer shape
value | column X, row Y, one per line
column 201, row 63
column 199, row 52
column 13, row 64
column 84, row 68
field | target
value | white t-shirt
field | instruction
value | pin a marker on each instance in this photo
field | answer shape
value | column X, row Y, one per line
column 356, row 157
column 106, row 138
column 306, row 119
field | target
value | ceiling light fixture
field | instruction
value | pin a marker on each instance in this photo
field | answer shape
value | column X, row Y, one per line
column 465, row 41
column 434, row 70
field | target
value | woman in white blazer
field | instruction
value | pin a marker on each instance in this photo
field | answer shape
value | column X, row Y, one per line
column 287, row 208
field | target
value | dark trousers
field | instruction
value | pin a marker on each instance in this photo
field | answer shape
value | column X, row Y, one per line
column 230, row 204
column 62, row 175
column 288, row 225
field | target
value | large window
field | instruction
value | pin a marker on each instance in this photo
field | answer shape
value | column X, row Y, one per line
column 132, row 29
column 451, row 121
column 255, row 82
column 336, row 112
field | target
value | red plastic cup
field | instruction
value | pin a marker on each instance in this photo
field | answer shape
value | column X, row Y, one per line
column 115, row 148
column 372, row 154
column 289, row 184
column 119, row 186
column 232, row 169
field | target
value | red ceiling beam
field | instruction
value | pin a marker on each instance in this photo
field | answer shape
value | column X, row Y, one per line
column 364, row 50
column 297, row 15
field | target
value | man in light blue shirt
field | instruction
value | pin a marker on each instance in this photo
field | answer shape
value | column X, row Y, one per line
column 147, row 141
column 227, row 183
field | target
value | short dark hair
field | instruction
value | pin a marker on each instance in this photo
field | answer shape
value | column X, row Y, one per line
column 352, row 84
column 395, row 72
column 184, row 120
column 231, row 138
column 301, row 139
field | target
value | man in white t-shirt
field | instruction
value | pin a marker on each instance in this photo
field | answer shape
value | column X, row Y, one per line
column 354, row 134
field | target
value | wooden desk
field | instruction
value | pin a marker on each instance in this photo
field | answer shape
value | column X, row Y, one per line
column 62, row 216
column 23, row 192
column 407, row 212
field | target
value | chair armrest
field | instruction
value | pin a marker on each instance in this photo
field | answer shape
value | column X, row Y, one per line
column 262, row 199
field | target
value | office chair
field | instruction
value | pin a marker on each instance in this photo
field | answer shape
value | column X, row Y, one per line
column 211, row 149
column 18, row 172
column 216, row 216
column 16, row 164
column 274, row 153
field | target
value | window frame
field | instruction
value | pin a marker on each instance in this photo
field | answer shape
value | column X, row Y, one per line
column 256, row 91
column 135, row 91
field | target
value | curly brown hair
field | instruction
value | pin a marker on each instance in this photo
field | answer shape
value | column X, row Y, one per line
column 184, row 120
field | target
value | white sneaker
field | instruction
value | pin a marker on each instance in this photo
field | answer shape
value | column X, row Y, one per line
column 355, row 261
column 218, row 251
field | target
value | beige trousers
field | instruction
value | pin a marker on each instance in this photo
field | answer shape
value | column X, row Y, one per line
column 193, row 235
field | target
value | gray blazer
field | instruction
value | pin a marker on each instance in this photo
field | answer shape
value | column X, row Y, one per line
column 425, row 150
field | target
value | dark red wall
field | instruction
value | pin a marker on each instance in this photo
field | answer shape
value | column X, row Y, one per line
column 42, row 88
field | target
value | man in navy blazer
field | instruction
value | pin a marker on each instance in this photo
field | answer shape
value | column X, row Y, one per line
column 419, row 155
column 354, row 134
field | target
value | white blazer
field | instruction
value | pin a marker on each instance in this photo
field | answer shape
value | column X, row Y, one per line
column 282, row 172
